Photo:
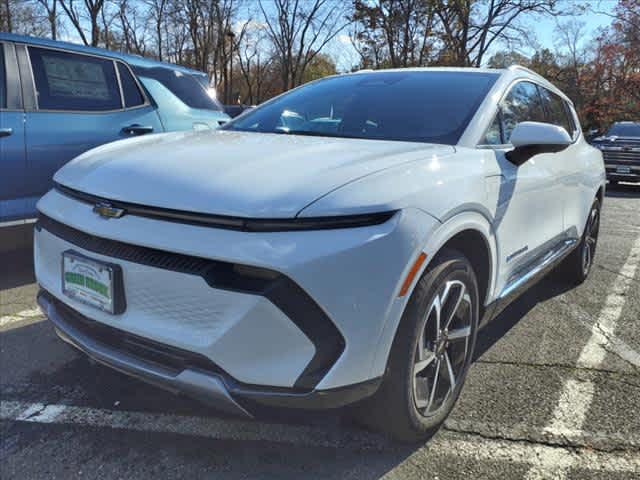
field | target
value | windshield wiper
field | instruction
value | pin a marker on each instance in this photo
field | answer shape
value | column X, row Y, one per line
column 311, row 133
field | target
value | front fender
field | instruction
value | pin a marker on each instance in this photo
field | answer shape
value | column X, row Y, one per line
column 431, row 245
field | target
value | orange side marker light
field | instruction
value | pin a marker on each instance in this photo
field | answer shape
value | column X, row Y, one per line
column 412, row 273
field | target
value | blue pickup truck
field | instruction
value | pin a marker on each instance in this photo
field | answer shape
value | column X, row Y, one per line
column 58, row 100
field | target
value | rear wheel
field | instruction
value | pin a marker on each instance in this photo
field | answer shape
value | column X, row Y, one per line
column 431, row 353
column 577, row 265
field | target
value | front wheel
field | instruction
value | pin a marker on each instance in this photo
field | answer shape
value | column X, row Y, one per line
column 431, row 353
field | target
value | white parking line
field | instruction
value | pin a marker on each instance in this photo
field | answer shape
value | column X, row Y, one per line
column 608, row 342
column 544, row 458
column 577, row 395
column 20, row 316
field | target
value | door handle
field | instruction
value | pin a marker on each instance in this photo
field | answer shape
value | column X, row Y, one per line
column 136, row 129
column 5, row 132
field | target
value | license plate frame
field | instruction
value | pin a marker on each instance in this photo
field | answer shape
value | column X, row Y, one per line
column 93, row 282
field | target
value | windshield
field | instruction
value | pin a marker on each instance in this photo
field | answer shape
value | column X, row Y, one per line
column 624, row 130
column 183, row 85
column 414, row 106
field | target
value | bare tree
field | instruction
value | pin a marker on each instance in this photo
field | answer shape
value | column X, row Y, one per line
column 6, row 19
column 569, row 37
column 254, row 60
column 20, row 16
column 397, row 31
column 133, row 25
column 158, row 12
column 470, row 27
column 90, row 9
column 299, row 30
column 50, row 7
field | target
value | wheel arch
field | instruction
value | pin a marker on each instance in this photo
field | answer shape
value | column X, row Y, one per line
column 469, row 232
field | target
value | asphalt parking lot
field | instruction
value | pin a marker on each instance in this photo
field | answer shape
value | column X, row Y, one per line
column 554, row 393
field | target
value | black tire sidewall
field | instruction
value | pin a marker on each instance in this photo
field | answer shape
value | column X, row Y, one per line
column 448, row 265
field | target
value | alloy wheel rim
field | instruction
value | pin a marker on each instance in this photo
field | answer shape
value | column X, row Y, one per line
column 590, row 240
column 442, row 348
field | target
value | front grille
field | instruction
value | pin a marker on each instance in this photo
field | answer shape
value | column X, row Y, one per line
column 172, row 359
column 621, row 156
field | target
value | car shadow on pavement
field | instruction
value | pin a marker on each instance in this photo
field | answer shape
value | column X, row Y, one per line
column 548, row 287
column 16, row 269
column 42, row 369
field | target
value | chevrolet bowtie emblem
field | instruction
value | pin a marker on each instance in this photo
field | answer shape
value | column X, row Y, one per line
column 106, row 210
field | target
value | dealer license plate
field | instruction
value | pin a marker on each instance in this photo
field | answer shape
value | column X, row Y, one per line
column 88, row 281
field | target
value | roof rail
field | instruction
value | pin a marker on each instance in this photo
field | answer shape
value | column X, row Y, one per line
column 520, row 67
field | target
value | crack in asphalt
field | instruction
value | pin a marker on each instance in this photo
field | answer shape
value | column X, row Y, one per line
column 562, row 441
column 590, row 323
column 610, row 270
column 571, row 368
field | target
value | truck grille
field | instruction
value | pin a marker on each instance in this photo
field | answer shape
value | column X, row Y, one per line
column 622, row 151
column 620, row 156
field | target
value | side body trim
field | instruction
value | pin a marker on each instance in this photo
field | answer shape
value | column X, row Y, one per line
column 539, row 266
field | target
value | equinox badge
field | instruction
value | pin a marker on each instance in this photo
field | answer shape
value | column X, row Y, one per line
column 106, row 210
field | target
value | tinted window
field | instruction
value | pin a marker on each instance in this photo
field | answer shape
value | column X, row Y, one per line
column 182, row 85
column 522, row 104
column 67, row 81
column 624, row 130
column 494, row 134
column 3, row 81
column 557, row 110
column 406, row 106
column 132, row 95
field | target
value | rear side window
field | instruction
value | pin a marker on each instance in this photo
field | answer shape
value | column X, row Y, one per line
column 132, row 95
column 3, row 80
column 184, row 86
column 522, row 104
column 69, row 81
column 558, row 114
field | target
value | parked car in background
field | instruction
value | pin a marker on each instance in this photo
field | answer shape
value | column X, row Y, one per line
column 620, row 148
column 234, row 110
column 340, row 243
column 58, row 100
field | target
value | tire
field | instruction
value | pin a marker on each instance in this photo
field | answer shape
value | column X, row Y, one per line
column 577, row 266
column 397, row 408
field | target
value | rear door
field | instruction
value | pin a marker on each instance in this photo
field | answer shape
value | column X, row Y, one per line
column 529, row 211
column 81, row 101
column 574, row 162
column 12, row 143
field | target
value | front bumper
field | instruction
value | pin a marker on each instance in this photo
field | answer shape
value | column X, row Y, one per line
column 340, row 296
column 183, row 372
column 632, row 176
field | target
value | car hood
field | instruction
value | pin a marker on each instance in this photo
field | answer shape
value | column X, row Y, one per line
column 233, row 173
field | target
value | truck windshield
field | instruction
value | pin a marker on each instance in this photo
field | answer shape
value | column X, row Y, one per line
column 413, row 106
column 624, row 130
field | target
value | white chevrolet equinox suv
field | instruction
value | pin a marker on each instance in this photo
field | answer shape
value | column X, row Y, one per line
column 339, row 245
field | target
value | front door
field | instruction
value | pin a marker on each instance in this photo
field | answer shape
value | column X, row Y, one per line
column 529, row 198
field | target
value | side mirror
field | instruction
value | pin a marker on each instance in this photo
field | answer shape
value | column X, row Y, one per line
column 533, row 138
